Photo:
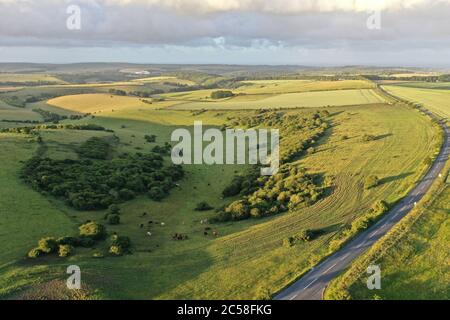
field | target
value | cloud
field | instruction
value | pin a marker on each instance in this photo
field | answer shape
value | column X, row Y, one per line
column 229, row 24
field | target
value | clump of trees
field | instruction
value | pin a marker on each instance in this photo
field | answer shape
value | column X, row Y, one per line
column 222, row 94
column 163, row 150
column 91, row 184
column 119, row 245
column 95, row 148
column 50, row 116
column 150, row 138
column 31, row 129
column 89, row 234
column 291, row 187
column 117, row 92
column 288, row 189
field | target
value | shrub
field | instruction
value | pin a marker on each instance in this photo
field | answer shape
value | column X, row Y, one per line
column 305, row 235
column 221, row 94
column 92, row 230
column 113, row 219
column 48, row 245
column 116, row 250
column 156, row 193
column 114, row 209
column 71, row 241
column 203, row 206
column 380, row 207
column 35, row 253
column 95, row 148
column 86, row 242
column 121, row 241
column 371, row 182
column 65, row 250
column 150, row 138
column 289, row 242
column 126, row 194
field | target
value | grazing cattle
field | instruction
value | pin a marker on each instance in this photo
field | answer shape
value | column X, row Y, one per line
column 207, row 229
column 162, row 224
column 142, row 226
column 150, row 222
column 216, row 234
column 149, row 234
column 144, row 214
column 205, row 233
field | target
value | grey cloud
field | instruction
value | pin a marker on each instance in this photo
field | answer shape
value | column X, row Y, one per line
column 322, row 24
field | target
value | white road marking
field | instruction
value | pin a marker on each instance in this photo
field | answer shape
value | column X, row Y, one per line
column 334, row 265
column 344, row 257
column 311, row 283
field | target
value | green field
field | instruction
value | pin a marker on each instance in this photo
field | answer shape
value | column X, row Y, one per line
column 248, row 256
column 288, row 100
column 434, row 100
column 245, row 259
column 417, row 266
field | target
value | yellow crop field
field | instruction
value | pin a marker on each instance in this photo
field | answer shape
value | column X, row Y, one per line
column 90, row 103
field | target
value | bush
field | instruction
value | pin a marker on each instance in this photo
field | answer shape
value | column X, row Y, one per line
column 221, row 94
column 305, row 235
column 289, row 242
column 203, row 206
column 65, row 250
column 156, row 193
column 126, row 194
column 380, row 207
column 92, row 230
column 371, row 182
column 116, row 250
column 120, row 241
column 113, row 219
column 95, row 148
column 114, row 209
column 48, row 245
column 150, row 138
column 86, row 242
column 71, row 241
column 35, row 253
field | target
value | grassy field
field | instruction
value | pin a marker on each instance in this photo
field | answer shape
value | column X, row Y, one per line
column 425, row 85
column 417, row 267
column 22, row 221
column 434, row 100
column 288, row 100
column 247, row 257
column 291, row 86
column 10, row 113
column 174, row 80
column 29, row 77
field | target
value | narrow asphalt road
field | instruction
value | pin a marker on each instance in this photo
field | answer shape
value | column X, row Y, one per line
column 313, row 283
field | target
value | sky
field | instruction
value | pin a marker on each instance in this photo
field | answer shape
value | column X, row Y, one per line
column 275, row 32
